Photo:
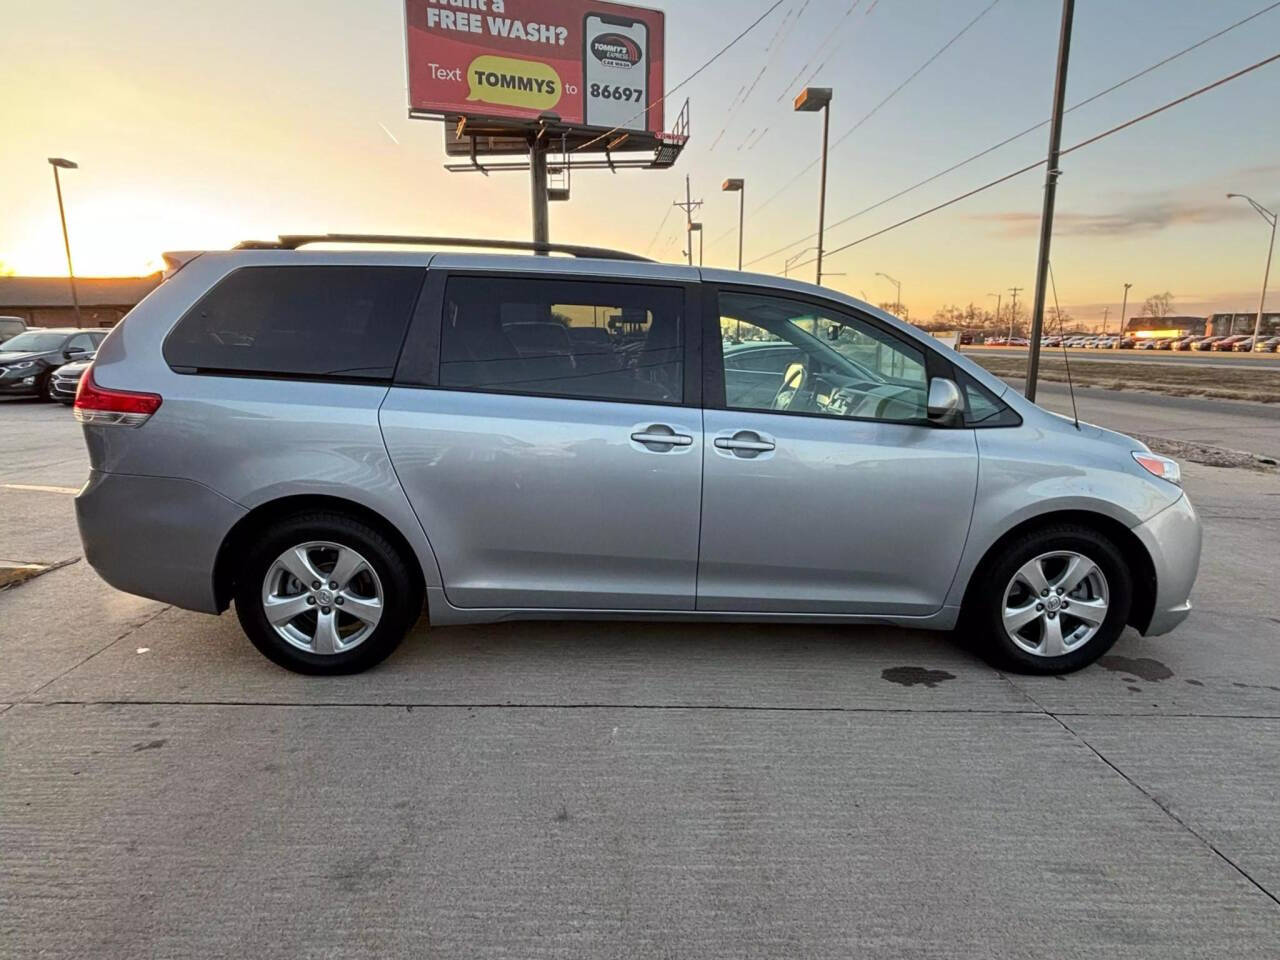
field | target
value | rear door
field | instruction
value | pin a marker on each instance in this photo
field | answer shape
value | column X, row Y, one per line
column 553, row 469
column 834, row 494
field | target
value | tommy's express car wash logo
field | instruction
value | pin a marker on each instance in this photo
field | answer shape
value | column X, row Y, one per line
column 615, row 50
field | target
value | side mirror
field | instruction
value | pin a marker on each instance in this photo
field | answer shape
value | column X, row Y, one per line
column 75, row 353
column 833, row 332
column 946, row 403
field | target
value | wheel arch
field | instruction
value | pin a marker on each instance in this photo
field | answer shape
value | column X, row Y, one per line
column 1135, row 555
column 257, row 519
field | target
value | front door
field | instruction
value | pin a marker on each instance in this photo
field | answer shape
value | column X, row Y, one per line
column 834, row 494
column 556, row 461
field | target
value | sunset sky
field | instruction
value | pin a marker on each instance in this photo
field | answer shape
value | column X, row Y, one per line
column 199, row 125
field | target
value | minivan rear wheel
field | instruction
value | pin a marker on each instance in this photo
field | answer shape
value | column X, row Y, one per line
column 1052, row 601
column 324, row 593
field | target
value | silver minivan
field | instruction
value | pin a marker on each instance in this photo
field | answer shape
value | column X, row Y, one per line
column 341, row 441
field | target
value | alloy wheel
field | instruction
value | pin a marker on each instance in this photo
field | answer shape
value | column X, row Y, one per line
column 1055, row 603
column 322, row 597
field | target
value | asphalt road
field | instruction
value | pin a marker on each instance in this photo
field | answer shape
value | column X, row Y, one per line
column 629, row 790
column 1262, row 361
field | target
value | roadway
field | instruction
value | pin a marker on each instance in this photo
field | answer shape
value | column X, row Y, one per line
column 1261, row 361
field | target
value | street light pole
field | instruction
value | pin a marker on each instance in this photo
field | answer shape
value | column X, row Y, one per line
column 60, row 163
column 811, row 100
column 898, row 296
column 737, row 185
column 1124, row 309
column 999, row 297
column 1271, row 218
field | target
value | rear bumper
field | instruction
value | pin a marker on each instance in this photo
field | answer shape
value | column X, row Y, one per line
column 156, row 537
column 1172, row 538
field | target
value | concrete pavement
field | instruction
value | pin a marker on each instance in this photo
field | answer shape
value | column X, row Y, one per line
column 630, row 790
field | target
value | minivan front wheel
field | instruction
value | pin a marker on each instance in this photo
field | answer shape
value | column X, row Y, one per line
column 1053, row 601
column 325, row 593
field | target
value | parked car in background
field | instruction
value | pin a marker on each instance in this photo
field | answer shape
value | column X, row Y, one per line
column 10, row 327
column 1124, row 343
column 1183, row 343
column 1165, row 343
column 1267, row 345
column 1247, row 344
column 65, row 380
column 1227, row 344
column 1206, row 343
column 1145, row 343
column 28, row 360
column 338, row 442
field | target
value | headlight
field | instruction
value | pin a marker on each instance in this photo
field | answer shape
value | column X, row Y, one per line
column 19, row 366
column 1159, row 466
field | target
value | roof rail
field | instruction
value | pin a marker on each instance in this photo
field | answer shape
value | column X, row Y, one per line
column 294, row 241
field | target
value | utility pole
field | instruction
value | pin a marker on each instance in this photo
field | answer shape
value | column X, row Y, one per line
column 1050, row 192
column 1271, row 218
column 1124, row 308
column 1106, row 312
column 688, row 207
column 1013, row 308
column 538, row 188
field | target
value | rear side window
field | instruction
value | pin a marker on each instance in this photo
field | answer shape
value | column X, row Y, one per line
column 580, row 339
column 345, row 323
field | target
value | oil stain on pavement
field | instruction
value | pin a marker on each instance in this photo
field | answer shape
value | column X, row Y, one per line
column 1153, row 671
column 910, row 676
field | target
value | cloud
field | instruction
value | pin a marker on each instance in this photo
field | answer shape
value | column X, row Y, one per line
column 1137, row 218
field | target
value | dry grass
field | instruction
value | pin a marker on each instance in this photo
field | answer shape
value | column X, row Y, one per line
column 1172, row 379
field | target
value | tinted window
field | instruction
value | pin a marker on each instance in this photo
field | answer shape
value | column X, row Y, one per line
column 606, row 341
column 79, row 342
column 35, row 342
column 982, row 409
column 837, row 364
column 340, row 322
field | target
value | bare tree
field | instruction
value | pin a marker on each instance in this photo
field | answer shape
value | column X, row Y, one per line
column 1158, row 305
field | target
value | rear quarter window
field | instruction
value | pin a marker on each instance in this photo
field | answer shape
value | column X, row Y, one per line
column 310, row 322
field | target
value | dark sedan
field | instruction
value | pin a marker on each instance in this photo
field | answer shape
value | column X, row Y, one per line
column 28, row 360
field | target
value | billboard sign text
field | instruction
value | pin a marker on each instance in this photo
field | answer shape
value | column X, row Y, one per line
column 594, row 65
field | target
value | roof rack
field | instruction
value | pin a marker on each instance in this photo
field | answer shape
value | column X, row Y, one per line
column 294, row 241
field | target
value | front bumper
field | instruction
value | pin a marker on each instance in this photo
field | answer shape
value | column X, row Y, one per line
column 64, row 388
column 20, row 386
column 1172, row 538
column 156, row 537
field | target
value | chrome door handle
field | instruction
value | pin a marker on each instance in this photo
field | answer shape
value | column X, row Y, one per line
column 733, row 443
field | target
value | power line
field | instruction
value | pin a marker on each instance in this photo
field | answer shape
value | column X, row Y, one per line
column 1040, row 163
column 822, row 51
column 876, row 109
column 723, row 50
column 658, row 232
column 1031, row 129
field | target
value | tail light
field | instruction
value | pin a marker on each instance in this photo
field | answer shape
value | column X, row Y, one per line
column 124, row 408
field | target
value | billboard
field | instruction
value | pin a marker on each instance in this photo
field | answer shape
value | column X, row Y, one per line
column 594, row 65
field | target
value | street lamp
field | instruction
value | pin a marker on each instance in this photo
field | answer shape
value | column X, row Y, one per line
column 811, row 100
column 60, row 163
column 1270, row 217
column 786, row 264
column 999, row 297
column 898, row 301
column 1124, row 309
column 695, row 226
column 737, row 185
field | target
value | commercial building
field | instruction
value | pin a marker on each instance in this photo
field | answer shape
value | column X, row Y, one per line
column 1165, row 328
column 1228, row 324
column 46, row 301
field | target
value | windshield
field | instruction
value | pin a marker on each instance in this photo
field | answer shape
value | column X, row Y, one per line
column 34, row 342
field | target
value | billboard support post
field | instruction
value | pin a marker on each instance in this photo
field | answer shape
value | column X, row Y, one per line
column 538, row 184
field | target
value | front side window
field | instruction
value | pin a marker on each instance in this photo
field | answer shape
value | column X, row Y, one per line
column 580, row 339
column 314, row 322
column 816, row 361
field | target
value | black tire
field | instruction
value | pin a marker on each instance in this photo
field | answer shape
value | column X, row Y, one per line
column 44, row 388
column 983, row 625
column 401, row 602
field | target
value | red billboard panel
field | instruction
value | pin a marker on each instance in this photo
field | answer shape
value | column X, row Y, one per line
column 594, row 65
